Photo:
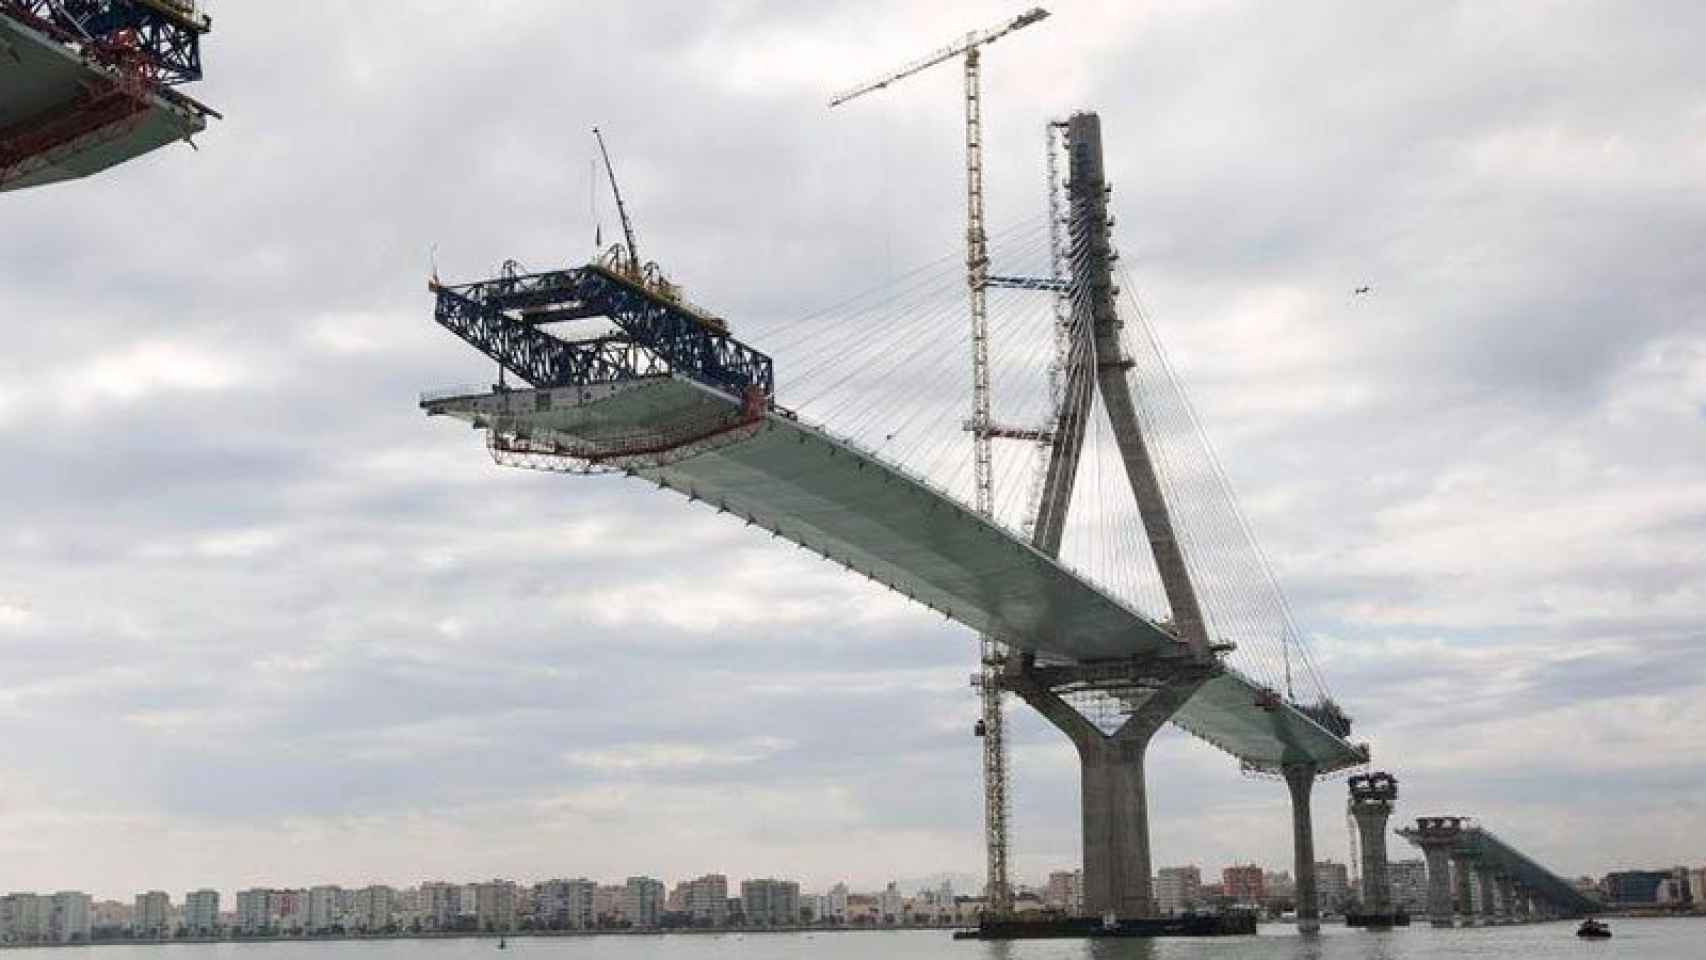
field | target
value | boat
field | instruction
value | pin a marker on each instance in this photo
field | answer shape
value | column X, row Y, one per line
column 1593, row 930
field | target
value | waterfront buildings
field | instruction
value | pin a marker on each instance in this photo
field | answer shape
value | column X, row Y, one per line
column 1178, row 889
column 494, row 906
column 770, row 903
column 322, row 908
column 373, row 909
column 642, row 901
column 566, row 904
column 1333, row 885
column 707, row 900
column 1065, row 892
column 201, row 913
column 1409, row 881
column 152, row 915
column 1244, row 884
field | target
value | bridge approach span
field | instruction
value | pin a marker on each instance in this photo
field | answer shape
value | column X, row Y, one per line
column 761, row 464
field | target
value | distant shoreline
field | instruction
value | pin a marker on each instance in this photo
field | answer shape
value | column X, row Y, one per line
column 473, row 935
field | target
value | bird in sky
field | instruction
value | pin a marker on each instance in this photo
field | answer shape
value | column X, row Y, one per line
column 1359, row 291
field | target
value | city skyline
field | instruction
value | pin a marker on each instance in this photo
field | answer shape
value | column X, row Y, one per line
column 261, row 618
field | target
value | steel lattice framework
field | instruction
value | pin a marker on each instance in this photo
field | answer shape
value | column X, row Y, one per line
column 502, row 318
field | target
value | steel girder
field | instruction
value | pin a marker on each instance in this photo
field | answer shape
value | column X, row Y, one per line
column 657, row 336
column 170, row 42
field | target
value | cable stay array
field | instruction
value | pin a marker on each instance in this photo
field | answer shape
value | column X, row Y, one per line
column 886, row 369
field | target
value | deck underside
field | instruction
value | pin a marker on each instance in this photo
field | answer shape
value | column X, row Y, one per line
column 806, row 486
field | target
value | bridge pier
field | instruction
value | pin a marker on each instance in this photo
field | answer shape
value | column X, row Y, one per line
column 1461, row 867
column 1507, row 898
column 1439, row 883
column 1114, row 798
column 1486, row 881
column 1300, row 781
column 1372, row 798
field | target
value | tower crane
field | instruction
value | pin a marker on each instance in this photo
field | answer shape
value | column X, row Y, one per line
column 992, row 654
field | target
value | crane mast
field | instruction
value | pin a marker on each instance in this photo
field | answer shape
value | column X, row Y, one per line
column 621, row 210
column 991, row 651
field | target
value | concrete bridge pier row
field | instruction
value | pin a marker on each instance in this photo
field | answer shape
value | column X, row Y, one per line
column 1114, row 798
column 1300, row 780
column 1507, row 898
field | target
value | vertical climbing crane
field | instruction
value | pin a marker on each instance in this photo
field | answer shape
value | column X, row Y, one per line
column 992, row 725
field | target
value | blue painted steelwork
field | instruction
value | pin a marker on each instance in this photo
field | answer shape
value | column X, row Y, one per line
column 166, row 35
column 502, row 318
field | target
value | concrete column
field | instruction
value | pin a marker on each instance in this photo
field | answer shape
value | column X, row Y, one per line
column 1372, row 798
column 1489, row 910
column 1460, row 867
column 1300, row 780
column 1439, row 881
column 1113, row 797
column 1507, row 899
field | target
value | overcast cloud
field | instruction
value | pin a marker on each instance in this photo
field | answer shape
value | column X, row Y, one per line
column 263, row 622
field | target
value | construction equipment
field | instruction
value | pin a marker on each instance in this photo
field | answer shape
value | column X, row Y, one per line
column 992, row 653
column 622, row 261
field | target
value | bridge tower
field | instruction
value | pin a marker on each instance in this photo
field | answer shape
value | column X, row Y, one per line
column 1114, row 801
column 1372, row 798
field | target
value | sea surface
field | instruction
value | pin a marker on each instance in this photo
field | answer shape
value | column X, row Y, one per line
column 1656, row 939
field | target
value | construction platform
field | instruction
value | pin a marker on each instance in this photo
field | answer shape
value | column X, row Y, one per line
column 87, row 85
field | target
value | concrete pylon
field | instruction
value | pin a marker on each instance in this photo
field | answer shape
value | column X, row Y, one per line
column 1300, row 780
column 1461, row 867
column 1113, row 796
column 1438, row 838
column 1372, row 797
column 1486, row 880
column 1507, row 898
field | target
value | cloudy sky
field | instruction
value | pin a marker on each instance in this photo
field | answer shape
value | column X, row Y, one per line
column 263, row 622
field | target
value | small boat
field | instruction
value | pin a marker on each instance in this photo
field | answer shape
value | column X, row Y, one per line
column 1593, row 930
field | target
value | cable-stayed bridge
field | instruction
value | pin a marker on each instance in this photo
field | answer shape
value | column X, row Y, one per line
column 1116, row 570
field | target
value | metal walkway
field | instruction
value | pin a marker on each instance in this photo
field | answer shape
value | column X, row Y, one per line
column 797, row 482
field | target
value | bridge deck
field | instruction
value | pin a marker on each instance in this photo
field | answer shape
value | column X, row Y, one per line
column 45, row 114
column 811, row 488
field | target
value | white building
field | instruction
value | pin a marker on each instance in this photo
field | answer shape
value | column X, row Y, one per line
column 1177, row 889
column 440, row 904
column 708, row 900
column 254, row 910
column 152, row 915
column 494, row 906
column 1065, row 892
column 373, row 909
column 891, row 906
column 322, row 908
column 71, row 917
column 1332, row 885
column 642, row 901
column 837, row 909
column 1409, row 881
column 770, row 903
column 201, row 912
column 564, row 904
column 1697, row 887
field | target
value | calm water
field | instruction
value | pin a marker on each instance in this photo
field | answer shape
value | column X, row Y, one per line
column 1635, row 940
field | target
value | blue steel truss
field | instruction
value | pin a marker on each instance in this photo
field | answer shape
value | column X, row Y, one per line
column 167, row 38
column 502, row 318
